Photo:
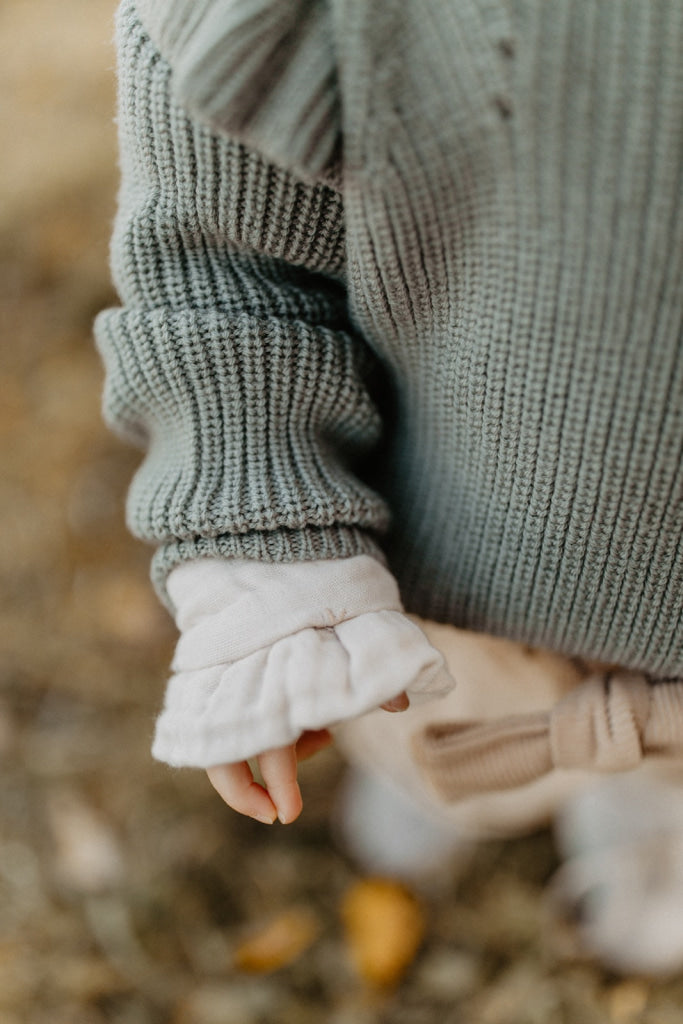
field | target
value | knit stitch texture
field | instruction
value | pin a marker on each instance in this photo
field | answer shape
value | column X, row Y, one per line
column 469, row 219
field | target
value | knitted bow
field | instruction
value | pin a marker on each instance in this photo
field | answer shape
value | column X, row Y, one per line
column 607, row 724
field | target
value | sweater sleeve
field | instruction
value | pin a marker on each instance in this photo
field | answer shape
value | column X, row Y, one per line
column 231, row 361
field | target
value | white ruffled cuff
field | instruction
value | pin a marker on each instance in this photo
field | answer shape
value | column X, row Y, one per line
column 268, row 651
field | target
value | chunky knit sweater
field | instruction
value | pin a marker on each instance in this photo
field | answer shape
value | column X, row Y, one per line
column 405, row 279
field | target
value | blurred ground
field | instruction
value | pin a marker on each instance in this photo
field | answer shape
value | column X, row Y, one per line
column 125, row 888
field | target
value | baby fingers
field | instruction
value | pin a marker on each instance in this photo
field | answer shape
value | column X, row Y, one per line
column 311, row 741
column 281, row 797
column 399, row 703
column 235, row 784
column 278, row 768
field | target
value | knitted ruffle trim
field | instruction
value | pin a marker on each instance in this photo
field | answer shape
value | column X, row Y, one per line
column 261, row 71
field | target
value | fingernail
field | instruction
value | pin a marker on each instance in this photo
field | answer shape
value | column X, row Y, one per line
column 266, row 819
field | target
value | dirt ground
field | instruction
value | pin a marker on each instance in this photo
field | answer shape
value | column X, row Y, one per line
column 126, row 889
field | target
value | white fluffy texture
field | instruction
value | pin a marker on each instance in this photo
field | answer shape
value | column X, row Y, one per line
column 389, row 833
column 269, row 650
column 623, row 840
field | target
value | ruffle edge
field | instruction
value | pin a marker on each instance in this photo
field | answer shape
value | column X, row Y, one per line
column 262, row 71
column 312, row 679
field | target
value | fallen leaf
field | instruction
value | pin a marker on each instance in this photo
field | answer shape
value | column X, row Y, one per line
column 384, row 928
column 278, row 942
column 88, row 856
column 627, row 1000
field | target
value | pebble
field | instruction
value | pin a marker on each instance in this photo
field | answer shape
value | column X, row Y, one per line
column 448, row 974
column 229, row 1002
column 88, row 856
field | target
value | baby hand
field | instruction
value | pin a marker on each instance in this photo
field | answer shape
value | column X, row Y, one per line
column 269, row 655
column 280, row 796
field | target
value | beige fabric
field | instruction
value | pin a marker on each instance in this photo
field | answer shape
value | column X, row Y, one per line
column 607, row 724
column 494, row 678
column 497, row 679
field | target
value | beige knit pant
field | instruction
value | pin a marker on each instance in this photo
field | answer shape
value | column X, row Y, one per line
column 495, row 678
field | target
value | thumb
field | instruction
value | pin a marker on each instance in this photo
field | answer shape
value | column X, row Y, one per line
column 399, row 703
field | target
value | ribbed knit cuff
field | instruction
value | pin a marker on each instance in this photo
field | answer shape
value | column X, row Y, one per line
column 250, row 426
column 282, row 545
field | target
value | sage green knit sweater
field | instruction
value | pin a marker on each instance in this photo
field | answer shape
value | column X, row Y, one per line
column 415, row 264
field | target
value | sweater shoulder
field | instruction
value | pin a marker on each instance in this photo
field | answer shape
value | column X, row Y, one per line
column 260, row 71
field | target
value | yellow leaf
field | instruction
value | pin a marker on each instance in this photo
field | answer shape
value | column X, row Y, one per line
column 384, row 929
column 278, row 942
column 627, row 1000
